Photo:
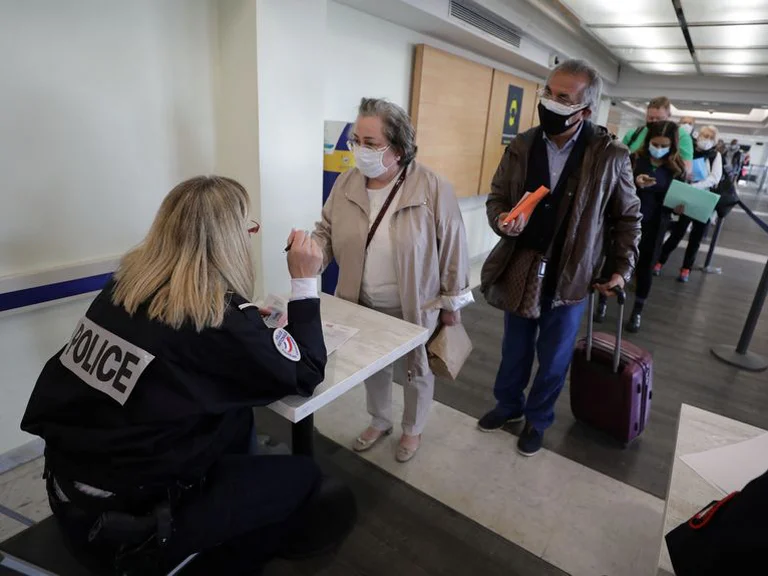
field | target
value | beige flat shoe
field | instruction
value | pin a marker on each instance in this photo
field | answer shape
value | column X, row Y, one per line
column 404, row 454
column 361, row 444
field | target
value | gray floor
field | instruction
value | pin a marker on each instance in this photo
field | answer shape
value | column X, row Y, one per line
column 402, row 531
column 680, row 324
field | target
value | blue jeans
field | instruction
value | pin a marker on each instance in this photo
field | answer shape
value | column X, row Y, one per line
column 557, row 332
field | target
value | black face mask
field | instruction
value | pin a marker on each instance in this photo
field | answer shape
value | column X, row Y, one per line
column 554, row 123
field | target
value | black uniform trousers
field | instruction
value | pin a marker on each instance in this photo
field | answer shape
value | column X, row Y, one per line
column 698, row 231
column 251, row 509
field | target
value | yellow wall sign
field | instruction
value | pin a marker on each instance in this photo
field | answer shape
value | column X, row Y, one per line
column 512, row 114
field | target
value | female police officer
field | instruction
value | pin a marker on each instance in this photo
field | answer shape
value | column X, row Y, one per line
column 146, row 411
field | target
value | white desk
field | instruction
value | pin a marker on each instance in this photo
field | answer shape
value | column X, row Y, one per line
column 697, row 431
column 380, row 341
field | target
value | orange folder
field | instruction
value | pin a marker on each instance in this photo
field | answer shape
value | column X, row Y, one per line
column 527, row 204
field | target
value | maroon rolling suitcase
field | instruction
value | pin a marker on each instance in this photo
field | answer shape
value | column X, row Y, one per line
column 611, row 381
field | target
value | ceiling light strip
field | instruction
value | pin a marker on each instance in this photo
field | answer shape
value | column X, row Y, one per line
column 619, row 26
column 715, row 24
column 686, row 33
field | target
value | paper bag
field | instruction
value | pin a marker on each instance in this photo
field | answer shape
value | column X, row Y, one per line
column 448, row 350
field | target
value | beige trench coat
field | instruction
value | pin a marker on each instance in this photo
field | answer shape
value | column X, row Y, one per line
column 431, row 256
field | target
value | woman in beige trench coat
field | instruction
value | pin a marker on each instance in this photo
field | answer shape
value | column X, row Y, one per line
column 416, row 266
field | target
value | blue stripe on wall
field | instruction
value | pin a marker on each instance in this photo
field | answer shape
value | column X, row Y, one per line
column 56, row 291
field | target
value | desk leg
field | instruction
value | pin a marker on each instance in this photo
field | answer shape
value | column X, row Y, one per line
column 303, row 433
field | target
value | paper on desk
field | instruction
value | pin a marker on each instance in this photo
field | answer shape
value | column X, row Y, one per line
column 730, row 468
column 336, row 335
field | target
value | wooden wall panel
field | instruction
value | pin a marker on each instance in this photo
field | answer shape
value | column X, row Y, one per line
column 535, row 116
column 494, row 149
column 449, row 108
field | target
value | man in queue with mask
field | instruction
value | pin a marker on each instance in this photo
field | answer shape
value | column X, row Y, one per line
column 688, row 125
column 541, row 271
column 659, row 110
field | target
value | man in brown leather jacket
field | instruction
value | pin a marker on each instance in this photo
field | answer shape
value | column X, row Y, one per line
column 541, row 270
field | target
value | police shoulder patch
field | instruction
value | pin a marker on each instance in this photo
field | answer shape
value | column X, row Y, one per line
column 286, row 345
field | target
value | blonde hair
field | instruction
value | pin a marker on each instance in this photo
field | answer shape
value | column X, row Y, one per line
column 713, row 129
column 660, row 102
column 195, row 252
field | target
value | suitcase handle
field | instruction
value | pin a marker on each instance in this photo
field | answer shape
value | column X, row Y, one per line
column 622, row 298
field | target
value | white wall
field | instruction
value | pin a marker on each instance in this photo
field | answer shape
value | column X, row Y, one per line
column 371, row 57
column 105, row 106
column 291, row 77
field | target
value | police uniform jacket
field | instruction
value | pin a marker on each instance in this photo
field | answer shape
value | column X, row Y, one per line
column 129, row 401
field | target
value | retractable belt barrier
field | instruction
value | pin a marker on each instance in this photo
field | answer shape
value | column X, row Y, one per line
column 740, row 356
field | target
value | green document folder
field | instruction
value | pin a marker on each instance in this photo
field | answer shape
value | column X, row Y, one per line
column 699, row 204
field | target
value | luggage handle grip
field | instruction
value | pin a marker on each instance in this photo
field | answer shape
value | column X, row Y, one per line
column 622, row 298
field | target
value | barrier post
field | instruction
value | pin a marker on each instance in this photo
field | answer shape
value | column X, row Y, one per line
column 740, row 356
column 708, row 268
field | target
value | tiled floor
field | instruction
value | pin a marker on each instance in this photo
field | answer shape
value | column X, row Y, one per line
column 9, row 527
column 577, row 519
column 23, row 491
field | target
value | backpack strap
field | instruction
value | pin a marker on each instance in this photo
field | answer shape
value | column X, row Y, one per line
column 635, row 136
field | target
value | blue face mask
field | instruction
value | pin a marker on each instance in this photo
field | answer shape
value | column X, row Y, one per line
column 657, row 152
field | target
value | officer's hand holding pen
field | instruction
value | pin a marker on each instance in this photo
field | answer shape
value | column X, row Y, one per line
column 304, row 255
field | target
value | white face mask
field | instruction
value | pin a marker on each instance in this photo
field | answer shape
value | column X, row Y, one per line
column 560, row 108
column 687, row 128
column 705, row 144
column 370, row 162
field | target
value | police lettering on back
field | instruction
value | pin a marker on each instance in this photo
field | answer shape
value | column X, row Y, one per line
column 105, row 361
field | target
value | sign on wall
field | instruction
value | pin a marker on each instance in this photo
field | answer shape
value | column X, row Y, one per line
column 512, row 114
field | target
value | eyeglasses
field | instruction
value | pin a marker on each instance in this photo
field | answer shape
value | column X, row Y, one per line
column 351, row 144
column 545, row 93
column 255, row 228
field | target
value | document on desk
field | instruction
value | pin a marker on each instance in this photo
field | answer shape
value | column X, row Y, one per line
column 336, row 335
column 699, row 204
column 730, row 468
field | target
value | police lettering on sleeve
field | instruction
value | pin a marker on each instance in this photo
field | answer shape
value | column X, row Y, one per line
column 104, row 361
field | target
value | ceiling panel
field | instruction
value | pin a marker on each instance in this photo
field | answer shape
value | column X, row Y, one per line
column 740, row 69
column 711, row 11
column 650, row 37
column 608, row 12
column 756, row 56
column 653, row 68
column 675, row 55
column 730, row 36
column 745, row 109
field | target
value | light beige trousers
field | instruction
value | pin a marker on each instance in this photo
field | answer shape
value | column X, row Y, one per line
column 417, row 393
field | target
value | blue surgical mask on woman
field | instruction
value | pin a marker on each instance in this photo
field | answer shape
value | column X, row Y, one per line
column 658, row 152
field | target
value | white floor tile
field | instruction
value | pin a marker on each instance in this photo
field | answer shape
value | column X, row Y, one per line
column 575, row 518
column 23, row 491
column 9, row 527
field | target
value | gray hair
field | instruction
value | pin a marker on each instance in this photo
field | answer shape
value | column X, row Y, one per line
column 396, row 125
column 594, row 87
column 712, row 129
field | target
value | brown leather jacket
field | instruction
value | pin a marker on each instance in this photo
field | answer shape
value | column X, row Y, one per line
column 605, row 208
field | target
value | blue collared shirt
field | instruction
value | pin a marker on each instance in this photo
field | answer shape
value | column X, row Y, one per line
column 557, row 157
